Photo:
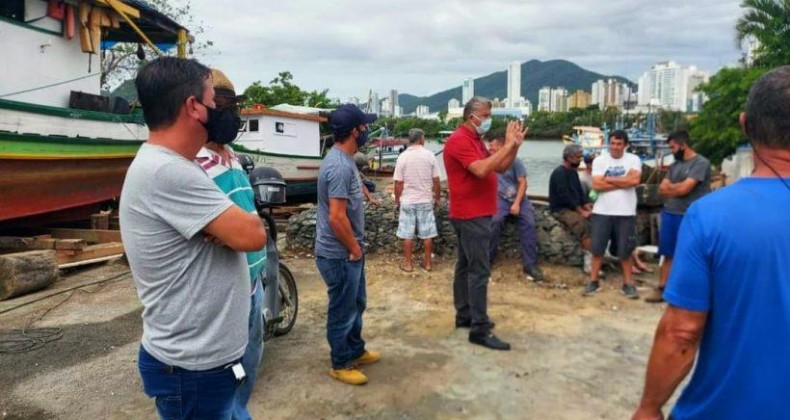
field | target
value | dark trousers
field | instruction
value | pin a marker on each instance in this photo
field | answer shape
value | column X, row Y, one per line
column 187, row 394
column 345, row 282
column 470, row 284
column 527, row 235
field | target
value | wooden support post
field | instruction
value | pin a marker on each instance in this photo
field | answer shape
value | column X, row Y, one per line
column 100, row 221
column 26, row 272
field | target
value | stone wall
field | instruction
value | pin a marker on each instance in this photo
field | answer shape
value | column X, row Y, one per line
column 555, row 245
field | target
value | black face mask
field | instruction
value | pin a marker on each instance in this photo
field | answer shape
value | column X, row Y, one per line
column 679, row 155
column 575, row 165
column 222, row 125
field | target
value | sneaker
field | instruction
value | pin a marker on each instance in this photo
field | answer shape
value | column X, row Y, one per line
column 367, row 358
column 351, row 376
column 591, row 288
column 656, row 296
column 489, row 340
column 629, row 290
column 534, row 274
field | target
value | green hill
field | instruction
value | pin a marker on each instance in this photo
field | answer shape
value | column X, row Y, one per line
column 535, row 74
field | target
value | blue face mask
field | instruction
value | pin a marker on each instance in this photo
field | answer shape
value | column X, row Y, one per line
column 484, row 126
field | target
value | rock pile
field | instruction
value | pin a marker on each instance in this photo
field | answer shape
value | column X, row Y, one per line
column 555, row 245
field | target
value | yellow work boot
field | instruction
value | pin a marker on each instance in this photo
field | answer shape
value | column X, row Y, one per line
column 351, row 376
column 367, row 358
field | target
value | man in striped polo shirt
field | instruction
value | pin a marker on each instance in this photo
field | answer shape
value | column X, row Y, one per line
column 223, row 166
column 417, row 189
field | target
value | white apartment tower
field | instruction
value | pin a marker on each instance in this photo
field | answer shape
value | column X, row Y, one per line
column 513, row 84
column 467, row 91
column 544, row 99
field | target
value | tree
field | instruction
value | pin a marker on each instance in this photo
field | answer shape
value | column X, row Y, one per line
column 282, row 90
column 120, row 62
column 716, row 132
column 768, row 22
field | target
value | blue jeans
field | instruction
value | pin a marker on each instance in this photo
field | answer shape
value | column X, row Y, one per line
column 527, row 234
column 187, row 394
column 252, row 355
column 345, row 281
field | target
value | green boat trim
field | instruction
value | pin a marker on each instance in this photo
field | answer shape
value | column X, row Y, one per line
column 33, row 146
column 242, row 149
column 79, row 114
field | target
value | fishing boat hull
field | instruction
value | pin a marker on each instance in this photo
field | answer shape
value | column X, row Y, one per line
column 54, row 179
column 299, row 172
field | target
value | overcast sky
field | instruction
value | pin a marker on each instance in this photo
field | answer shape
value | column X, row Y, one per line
column 425, row 46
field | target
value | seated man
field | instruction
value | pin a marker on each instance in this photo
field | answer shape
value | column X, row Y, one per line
column 568, row 202
column 512, row 200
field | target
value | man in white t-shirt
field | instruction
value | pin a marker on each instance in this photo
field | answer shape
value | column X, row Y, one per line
column 417, row 190
column 615, row 177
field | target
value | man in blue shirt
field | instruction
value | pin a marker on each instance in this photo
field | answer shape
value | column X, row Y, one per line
column 340, row 226
column 729, row 289
column 512, row 200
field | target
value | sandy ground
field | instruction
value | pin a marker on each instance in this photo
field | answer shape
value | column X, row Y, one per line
column 572, row 357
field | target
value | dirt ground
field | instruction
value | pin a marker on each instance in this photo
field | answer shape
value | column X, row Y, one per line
column 572, row 357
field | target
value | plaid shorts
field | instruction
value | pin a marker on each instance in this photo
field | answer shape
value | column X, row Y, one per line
column 417, row 217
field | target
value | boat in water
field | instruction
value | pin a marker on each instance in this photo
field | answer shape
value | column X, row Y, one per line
column 65, row 148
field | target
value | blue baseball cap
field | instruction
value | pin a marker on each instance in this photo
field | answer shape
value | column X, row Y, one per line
column 346, row 117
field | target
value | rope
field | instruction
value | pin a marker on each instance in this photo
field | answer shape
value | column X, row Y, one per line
column 49, row 86
column 28, row 339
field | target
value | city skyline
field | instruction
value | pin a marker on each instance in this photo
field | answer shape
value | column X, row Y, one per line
column 431, row 49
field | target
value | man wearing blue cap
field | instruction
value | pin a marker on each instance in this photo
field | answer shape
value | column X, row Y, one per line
column 340, row 224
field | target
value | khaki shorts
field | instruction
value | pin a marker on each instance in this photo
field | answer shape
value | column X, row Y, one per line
column 574, row 223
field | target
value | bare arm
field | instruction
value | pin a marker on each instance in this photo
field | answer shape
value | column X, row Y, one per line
column 632, row 179
column 501, row 160
column 238, row 230
column 675, row 346
column 677, row 189
column 341, row 227
column 437, row 190
column 521, row 191
column 602, row 184
column 398, row 192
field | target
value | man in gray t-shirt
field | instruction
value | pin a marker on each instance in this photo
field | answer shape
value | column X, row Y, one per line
column 182, row 237
column 688, row 180
column 340, row 225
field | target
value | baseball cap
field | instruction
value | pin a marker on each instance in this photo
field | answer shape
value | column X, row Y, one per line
column 347, row 117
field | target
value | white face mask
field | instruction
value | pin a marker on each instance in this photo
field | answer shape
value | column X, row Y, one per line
column 485, row 125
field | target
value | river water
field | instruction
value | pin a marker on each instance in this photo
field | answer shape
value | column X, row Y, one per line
column 539, row 156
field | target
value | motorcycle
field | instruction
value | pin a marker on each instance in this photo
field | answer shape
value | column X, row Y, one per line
column 280, row 295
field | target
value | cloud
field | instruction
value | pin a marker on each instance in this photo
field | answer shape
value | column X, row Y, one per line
column 420, row 47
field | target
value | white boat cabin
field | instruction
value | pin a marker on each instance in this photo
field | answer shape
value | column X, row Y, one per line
column 275, row 132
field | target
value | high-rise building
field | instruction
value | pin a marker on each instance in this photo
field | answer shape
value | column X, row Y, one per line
column 579, row 99
column 453, row 103
column 671, row 86
column 544, row 99
column 559, row 100
column 467, row 91
column 394, row 102
column 513, row 84
column 374, row 103
column 423, row 110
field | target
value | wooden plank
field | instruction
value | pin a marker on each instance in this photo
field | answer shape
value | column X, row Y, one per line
column 26, row 244
column 91, row 261
column 89, row 235
column 91, row 252
column 70, row 244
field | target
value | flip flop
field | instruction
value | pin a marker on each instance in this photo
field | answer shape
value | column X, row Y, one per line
column 403, row 268
column 428, row 269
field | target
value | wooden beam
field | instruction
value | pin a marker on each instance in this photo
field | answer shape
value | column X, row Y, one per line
column 91, row 252
column 121, row 7
column 26, row 244
column 70, row 244
column 100, row 221
column 89, row 235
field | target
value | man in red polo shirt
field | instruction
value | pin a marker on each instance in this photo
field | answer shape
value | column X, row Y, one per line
column 473, row 186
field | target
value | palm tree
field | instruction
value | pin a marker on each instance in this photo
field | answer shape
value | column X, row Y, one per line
column 767, row 22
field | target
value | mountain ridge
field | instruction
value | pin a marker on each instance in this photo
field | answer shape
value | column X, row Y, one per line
column 535, row 74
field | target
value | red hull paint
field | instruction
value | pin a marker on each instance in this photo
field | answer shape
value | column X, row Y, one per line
column 57, row 190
